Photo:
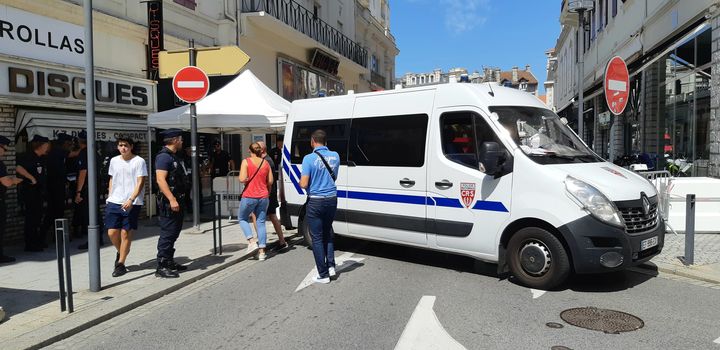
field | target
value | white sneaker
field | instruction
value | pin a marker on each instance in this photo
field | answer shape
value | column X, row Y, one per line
column 262, row 256
column 252, row 247
column 317, row 279
column 331, row 271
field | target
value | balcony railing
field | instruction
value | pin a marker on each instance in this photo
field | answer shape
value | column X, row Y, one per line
column 378, row 79
column 303, row 20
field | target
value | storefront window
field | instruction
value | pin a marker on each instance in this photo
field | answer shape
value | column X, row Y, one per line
column 299, row 82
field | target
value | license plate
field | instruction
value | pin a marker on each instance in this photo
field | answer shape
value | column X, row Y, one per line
column 648, row 243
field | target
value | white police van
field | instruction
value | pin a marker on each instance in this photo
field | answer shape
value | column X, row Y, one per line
column 477, row 170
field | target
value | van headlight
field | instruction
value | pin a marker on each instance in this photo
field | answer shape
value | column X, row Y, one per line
column 593, row 201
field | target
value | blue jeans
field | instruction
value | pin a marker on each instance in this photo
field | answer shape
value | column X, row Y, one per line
column 259, row 207
column 320, row 213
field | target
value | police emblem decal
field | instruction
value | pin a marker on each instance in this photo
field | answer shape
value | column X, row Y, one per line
column 467, row 192
column 645, row 204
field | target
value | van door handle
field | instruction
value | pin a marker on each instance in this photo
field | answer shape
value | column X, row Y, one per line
column 444, row 184
column 405, row 182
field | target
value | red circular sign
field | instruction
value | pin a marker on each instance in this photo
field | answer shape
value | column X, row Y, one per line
column 617, row 85
column 191, row 84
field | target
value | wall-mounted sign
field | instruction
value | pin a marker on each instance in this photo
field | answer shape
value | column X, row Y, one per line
column 26, row 34
column 604, row 118
column 155, row 38
column 323, row 60
column 22, row 82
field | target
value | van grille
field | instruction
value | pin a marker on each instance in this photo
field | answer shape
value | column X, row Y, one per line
column 637, row 222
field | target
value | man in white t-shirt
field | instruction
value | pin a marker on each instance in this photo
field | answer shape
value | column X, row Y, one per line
column 126, row 189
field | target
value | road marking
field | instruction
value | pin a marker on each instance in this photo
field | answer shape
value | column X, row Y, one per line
column 536, row 293
column 191, row 84
column 342, row 263
column 424, row 331
column 717, row 341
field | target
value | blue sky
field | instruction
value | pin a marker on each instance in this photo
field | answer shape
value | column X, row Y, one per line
column 473, row 33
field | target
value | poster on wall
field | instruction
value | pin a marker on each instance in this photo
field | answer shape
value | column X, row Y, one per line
column 258, row 138
column 288, row 83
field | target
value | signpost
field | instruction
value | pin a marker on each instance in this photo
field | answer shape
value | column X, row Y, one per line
column 617, row 85
column 223, row 60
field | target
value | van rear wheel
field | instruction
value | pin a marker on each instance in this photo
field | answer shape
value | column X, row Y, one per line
column 537, row 258
column 304, row 230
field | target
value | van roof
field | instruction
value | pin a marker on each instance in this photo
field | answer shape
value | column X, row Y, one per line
column 448, row 95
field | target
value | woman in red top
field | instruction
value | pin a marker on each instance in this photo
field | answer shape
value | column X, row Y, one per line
column 255, row 173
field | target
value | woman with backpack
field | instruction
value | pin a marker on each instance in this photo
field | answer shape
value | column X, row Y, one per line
column 257, row 177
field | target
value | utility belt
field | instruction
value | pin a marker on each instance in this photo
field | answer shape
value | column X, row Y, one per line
column 163, row 204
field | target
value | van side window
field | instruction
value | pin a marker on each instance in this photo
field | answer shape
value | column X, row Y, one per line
column 462, row 135
column 389, row 141
column 338, row 134
column 458, row 138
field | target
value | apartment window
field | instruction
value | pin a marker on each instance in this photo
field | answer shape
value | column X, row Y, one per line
column 606, row 10
column 523, row 86
column 187, row 3
column 374, row 64
column 614, row 8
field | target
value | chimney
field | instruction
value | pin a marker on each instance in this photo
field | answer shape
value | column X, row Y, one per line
column 515, row 74
column 496, row 74
column 527, row 67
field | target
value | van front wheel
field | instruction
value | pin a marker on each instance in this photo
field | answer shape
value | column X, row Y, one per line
column 537, row 258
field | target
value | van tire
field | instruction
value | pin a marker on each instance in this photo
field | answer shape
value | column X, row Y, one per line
column 304, row 230
column 525, row 247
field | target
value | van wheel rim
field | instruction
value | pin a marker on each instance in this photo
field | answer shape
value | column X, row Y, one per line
column 535, row 258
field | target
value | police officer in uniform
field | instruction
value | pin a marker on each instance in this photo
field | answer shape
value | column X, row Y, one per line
column 33, row 169
column 57, row 181
column 7, row 182
column 172, row 182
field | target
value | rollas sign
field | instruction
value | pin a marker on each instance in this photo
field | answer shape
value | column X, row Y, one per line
column 55, row 86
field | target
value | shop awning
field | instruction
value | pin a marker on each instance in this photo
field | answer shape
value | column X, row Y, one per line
column 107, row 127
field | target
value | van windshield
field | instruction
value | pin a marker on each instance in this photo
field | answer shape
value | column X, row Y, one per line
column 542, row 136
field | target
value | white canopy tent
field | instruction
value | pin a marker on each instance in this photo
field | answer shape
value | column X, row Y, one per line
column 244, row 104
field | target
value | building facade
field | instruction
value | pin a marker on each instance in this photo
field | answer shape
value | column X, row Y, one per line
column 670, row 48
column 549, row 83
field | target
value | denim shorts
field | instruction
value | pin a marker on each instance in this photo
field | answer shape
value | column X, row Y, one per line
column 117, row 218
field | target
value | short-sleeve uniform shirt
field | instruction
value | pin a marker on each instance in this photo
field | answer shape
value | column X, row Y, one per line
column 36, row 166
column 321, row 182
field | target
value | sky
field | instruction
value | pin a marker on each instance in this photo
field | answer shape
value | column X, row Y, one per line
column 472, row 34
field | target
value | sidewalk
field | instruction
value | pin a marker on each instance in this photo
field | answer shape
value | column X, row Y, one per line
column 29, row 286
column 707, row 257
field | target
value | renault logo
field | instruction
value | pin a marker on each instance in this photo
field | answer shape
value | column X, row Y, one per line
column 645, row 204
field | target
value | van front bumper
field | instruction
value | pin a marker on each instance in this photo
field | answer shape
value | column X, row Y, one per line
column 598, row 247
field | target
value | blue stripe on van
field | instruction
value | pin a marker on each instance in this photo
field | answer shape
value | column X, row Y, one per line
column 294, row 167
column 490, row 206
column 292, row 179
column 385, row 197
column 447, row 202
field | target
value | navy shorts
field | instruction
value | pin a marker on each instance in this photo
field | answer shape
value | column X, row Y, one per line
column 117, row 218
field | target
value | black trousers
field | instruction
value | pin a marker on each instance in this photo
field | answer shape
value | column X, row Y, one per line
column 170, row 227
column 33, row 198
column 55, row 210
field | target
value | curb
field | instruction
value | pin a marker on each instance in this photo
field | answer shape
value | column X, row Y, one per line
column 683, row 271
column 65, row 333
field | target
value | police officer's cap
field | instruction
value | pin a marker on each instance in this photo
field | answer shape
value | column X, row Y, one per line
column 41, row 139
column 62, row 137
column 4, row 141
column 170, row 133
column 82, row 135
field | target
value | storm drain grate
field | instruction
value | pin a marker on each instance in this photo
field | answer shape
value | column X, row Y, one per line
column 608, row 321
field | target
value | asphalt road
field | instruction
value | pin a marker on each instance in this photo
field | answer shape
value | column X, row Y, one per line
column 255, row 305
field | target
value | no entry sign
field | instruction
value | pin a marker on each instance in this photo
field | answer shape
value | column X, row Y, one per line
column 617, row 85
column 191, row 84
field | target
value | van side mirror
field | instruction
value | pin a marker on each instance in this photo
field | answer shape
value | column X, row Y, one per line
column 490, row 155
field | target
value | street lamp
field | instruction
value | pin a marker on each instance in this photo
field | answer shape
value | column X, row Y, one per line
column 579, row 7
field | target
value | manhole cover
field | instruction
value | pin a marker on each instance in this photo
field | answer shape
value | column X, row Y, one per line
column 560, row 347
column 608, row 321
column 554, row 325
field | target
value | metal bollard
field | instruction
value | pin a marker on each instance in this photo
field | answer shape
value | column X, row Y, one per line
column 689, row 257
column 215, row 217
column 62, row 237
column 219, row 209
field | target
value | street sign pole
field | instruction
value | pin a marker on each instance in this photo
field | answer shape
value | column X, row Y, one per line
column 92, row 198
column 193, row 147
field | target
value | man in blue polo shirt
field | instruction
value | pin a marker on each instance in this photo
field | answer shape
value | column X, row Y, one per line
column 319, row 171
